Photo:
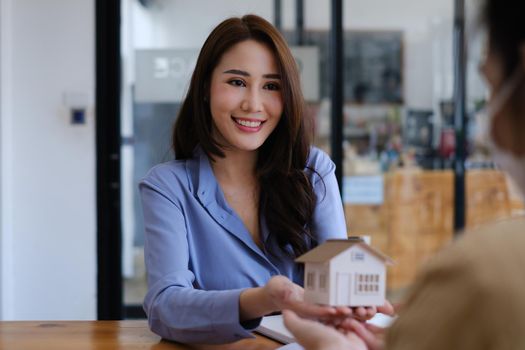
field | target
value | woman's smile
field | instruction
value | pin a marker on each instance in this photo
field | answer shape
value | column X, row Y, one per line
column 248, row 125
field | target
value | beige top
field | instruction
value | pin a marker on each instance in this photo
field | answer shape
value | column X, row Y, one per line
column 470, row 296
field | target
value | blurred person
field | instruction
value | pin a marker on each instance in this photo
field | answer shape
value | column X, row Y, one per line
column 471, row 295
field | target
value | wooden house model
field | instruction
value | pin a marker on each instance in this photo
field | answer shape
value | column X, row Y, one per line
column 345, row 272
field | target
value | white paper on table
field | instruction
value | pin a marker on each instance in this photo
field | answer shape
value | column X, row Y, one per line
column 382, row 320
column 273, row 327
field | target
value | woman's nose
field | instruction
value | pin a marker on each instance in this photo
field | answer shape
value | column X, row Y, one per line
column 252, row 102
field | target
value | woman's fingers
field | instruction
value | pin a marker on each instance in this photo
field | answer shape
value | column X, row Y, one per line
column 364, row 313
column 386, row 309
column 378, row 331
column 371, row 311
column 344, row 311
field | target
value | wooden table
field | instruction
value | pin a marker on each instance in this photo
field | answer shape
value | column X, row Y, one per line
column 97, row 335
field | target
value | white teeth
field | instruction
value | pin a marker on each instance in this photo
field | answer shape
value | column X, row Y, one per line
column 250, row 124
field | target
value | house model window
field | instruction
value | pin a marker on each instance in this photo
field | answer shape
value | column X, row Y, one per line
column 322, row 281
column 310, row 280
column 367, row 283
column 345, row 273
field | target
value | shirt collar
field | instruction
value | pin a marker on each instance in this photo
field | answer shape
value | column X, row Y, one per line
column 205, row 186
column 207, row 190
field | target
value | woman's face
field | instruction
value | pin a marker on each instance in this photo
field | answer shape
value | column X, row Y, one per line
column 246, row 102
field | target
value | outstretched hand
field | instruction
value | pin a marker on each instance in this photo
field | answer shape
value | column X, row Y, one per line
column 341, row 333
column 316, row 336
column 360, row 313
column 284, row 294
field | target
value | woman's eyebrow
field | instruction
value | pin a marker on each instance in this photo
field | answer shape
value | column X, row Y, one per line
column 246, row 74
column 272, row 76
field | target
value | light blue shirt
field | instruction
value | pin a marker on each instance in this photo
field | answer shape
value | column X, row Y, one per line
column 200, row 256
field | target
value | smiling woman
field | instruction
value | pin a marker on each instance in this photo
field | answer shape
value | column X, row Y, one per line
column 246, row 194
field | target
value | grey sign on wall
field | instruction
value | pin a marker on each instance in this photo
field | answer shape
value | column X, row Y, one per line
column 163, row 75
column 307, row 58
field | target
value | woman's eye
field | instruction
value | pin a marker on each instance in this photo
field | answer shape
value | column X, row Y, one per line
column 272, row 87
column 236, row 82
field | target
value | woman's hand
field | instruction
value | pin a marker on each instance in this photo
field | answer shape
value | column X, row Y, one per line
column 366, row 313
column 280, row 293
column 316, row 336
column 284, row 294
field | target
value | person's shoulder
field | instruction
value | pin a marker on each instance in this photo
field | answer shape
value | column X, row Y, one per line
column 479, row 273
column 493, row 238
column 320, row 161
column 485, row 254
column 166, row 174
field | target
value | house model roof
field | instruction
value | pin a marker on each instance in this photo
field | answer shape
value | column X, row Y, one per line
column 334, row 247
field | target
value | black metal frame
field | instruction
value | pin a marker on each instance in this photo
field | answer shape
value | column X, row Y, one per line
column 277, row 18
column 460, row 118
column 337, row 92
column 134, row 312
column 109, row 235
column 299, row 22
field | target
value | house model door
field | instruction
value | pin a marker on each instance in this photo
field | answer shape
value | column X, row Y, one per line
column 343, row 289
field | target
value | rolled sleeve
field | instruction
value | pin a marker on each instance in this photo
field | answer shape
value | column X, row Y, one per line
column 226, row 317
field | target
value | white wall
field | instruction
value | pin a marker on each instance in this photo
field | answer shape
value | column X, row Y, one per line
column 48, row 230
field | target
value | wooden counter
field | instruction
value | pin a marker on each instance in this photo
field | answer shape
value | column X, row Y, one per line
column 98, row 335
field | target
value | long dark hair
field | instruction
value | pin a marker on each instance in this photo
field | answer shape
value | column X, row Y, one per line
column 287, row 199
